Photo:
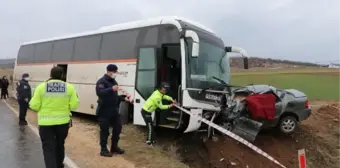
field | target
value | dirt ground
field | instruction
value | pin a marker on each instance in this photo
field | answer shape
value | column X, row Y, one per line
column 319, row 135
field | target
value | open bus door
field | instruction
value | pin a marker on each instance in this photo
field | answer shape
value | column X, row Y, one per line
column 147, row 80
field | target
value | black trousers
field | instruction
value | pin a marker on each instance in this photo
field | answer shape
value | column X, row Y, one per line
column 4, row 93
column 149, row 123
column 23, row 106
column 104, row 124
column 53, row 140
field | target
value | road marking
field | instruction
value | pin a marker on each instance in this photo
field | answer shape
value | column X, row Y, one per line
column 232, row 135
column 67, row 160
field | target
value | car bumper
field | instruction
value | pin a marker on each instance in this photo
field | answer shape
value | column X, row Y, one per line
column 305, row 114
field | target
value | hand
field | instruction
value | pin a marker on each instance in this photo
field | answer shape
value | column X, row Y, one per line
column 171, row 105
column 174, row 102
column 26, row 100
column 127, row 99
column 115, row 87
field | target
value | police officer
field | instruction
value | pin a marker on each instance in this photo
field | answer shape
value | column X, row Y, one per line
column 53, row 100
column 23, row 96
column 108, row 112
column 151, row 104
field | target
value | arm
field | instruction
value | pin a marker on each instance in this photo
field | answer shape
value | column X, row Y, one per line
column 35, row 102
column 166, row 97
column 161, row 106
column 101, row 90
column 74, row 100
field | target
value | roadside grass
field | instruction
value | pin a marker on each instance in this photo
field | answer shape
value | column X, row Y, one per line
column 283, row 71
column 313, row 83
column 7, row 72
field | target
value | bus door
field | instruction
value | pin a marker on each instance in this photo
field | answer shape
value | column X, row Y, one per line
column 146, row 80
column 170, row 70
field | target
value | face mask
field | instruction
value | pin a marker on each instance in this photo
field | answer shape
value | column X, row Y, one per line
column 27, row 78
column 113, row 75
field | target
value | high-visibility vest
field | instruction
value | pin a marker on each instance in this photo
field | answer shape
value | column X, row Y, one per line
column 54, row 100
column 155, row 101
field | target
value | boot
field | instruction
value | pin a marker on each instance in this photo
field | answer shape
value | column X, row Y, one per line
column 23, row 122
column 105, row 153
column 117, row 150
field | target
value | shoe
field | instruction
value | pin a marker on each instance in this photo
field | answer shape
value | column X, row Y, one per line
column 23, row 123
column 106, row 153
column 149, row 144
column 117, row 150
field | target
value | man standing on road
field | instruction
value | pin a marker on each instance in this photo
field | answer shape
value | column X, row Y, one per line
column 54, row 100
column 108, row 112
column 4, row 87
column 23, row 95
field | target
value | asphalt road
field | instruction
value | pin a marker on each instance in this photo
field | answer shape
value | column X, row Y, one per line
column 20, row 147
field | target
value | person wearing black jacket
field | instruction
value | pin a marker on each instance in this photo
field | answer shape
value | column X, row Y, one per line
column 108, row 111
column 24, row 95
column 4, row 87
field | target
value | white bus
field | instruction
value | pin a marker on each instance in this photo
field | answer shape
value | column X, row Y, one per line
column 140, row 49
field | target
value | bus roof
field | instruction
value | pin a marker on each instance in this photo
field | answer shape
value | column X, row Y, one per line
column 129, row 25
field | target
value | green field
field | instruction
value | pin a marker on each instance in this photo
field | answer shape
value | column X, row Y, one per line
column 316, row 83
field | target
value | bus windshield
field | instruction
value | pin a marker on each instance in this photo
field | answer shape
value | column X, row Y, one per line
column 211, row 62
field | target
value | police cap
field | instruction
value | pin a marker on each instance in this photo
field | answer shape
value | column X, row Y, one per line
column 25, row 75
column 111, row 68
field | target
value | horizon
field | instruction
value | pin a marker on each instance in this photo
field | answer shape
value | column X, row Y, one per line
column 287, row 29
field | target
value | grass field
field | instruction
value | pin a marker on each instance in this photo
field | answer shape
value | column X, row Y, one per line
column 316, row 83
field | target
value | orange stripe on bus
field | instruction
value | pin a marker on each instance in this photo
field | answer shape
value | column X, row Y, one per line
column 80, row 62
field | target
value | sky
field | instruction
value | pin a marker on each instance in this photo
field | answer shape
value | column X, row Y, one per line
column 299, row 30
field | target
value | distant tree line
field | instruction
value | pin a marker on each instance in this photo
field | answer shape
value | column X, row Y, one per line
column 267, row 62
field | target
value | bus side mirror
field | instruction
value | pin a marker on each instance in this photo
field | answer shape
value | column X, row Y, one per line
column 245, row 62
column 241, row 51
column 195, row 42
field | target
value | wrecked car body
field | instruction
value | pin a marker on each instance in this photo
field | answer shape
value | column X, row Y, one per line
column 249, row 109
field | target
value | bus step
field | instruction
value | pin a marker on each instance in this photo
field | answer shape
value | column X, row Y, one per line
column 176, row 112
column 173, row 126
column 172, row 119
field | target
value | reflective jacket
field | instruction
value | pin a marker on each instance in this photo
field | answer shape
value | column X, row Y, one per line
column 54, row 100
column 155, row 101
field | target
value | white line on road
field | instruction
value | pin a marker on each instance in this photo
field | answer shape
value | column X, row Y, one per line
column 67, row 160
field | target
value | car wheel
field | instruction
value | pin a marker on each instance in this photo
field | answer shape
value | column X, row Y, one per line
column 288, row 124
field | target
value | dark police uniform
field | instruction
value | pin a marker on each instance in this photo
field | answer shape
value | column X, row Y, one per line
column 24, row 96
column 108, row 113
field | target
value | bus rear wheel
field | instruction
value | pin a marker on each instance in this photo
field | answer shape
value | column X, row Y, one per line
column 124, row 112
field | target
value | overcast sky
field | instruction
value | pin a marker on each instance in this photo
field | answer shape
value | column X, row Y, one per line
column 303, row 30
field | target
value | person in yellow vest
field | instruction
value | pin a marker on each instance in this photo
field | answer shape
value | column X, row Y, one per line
column 151, row 104
column 54, row 100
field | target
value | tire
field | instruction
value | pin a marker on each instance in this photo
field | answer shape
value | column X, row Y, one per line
column 288, row 124
column 124, row 112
